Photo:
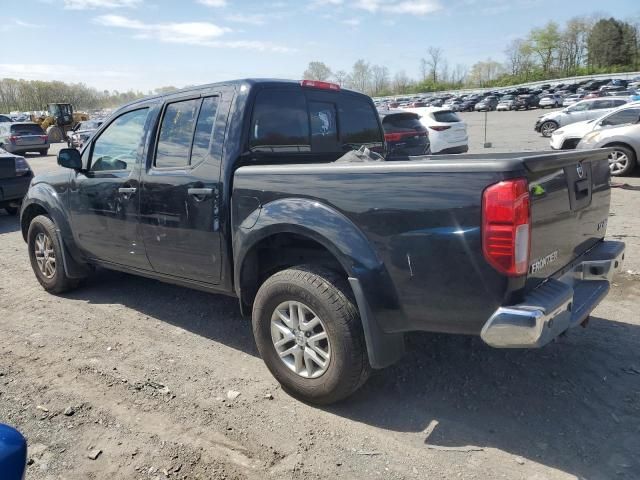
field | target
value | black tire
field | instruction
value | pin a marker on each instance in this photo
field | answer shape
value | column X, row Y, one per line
column 328, row 295
column 44, row 152
column 11, row 210
column 630, row 164
column 59, row 281
column 550, row 127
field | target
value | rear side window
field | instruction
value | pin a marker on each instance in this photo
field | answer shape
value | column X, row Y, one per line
column 176, row 133
column 280, row 122
column 618, row 103
column 600, row 104
column 628, row 115
column 26, row 129
column 204, row 129
column 446, row 116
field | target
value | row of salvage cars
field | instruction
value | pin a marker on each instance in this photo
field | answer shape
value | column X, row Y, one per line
column 617, row 128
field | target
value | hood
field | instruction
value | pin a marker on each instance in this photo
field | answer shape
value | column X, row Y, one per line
column 578, row 129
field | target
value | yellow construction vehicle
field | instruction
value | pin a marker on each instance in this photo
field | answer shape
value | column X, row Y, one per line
column 59, row 119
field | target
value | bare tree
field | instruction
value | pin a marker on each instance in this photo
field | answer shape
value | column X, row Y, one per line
column 317, row 71
column 341, row 78
column 424, row 70
column 401, row 82
column 433, row 62
column 361, row 76
column 379, row 79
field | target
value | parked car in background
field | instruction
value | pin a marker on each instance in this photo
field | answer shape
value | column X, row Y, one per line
column 569, row 136
column 525, row 102
column 552, row 100
column 17, row 137
column 468, row 104
column 507, row 102
column 578, row 112
column 82, row 132
column 404, row 134
column 15, row 176
column 447, row 131
column 5, row 119
column 625, row 142
column 571, row 99
column 453, row 104
column 487, row 104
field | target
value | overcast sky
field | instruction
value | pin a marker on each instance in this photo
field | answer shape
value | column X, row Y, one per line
column 144, row 44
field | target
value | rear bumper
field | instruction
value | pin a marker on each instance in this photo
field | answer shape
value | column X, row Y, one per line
column 558, row 304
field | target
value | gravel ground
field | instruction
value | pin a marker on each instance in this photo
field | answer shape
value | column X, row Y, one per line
column 147, row 375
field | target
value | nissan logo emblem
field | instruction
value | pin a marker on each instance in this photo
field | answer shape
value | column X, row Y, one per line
column 580, row 170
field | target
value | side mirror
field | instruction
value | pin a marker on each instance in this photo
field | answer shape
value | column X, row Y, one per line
column 70, row 158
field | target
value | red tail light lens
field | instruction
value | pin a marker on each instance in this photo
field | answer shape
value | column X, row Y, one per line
column 440, row 128
column 506, row 226
column 321, row 85
column 397, row 136
column 13, row 139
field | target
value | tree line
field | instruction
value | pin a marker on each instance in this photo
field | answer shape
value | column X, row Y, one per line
column 30, row 95
column 582, row 46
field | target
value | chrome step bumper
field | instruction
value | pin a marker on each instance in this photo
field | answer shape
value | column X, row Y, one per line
column 558, row 304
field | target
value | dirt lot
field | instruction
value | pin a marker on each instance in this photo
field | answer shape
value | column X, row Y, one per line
column 141, row 371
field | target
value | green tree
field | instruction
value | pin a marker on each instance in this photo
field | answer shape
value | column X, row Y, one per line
column 611, row 43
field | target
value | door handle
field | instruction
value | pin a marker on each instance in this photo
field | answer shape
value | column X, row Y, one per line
column 128, row 190
column 200, row 193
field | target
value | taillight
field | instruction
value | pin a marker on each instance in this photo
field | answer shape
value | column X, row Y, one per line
column 506, row 226
column 397, row 136
column 321, row 85
column 13, row 139
column 22, row 167
column 44, row 138
column 440, row 128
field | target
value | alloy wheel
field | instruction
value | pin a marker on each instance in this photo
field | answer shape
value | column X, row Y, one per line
column 300, row 339
column 618, row 162
column 45, row 255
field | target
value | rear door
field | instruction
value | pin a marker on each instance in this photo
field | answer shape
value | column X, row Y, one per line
column 570, row 197
column 181, row 189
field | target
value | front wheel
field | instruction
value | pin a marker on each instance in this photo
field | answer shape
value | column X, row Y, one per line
column 45, row 254
column 547, row 128
column 622, row 161
column 308, row 331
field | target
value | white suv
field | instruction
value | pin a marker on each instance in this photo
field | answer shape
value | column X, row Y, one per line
column 578, row 112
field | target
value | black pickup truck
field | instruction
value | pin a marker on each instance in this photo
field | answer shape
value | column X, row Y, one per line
column 243, row 188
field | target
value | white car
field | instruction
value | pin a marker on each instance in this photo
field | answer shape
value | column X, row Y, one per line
column 550, row 100
column 568, row 137
column 578, row 112
column 447, row 131
column 571, row 99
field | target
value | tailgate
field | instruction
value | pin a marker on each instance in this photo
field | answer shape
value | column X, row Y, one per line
column 570, row 195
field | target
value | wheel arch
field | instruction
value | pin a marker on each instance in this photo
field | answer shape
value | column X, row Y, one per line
column 621, row 143
column 297, row 231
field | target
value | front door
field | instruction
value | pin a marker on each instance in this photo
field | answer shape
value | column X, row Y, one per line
column 181, row 191
column 104, row 198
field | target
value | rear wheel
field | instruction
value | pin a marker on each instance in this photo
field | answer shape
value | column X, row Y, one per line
column 308, row 331
column 622, row 161
column 45, row 254
column 547, row 128
column 44, row 152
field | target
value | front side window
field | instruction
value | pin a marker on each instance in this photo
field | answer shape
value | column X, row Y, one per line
column 117, row 147
column 580, row 107
column 629, row 115
column 176, row 134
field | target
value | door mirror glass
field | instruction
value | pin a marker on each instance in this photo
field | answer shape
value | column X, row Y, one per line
column 70, row 158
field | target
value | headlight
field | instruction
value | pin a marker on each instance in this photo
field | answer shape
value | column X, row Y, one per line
column 592, row 136
column 557, row 132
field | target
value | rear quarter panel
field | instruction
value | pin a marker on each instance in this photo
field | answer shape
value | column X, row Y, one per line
column 424, row 228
